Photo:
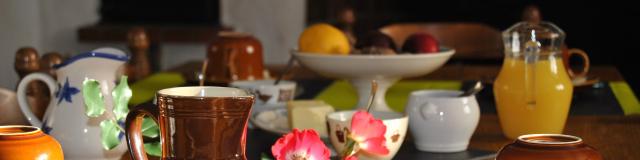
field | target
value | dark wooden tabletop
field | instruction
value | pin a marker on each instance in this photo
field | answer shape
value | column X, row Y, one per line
column 599, row 121
column 615, row 136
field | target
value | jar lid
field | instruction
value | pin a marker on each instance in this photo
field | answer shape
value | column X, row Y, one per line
column 549, row 139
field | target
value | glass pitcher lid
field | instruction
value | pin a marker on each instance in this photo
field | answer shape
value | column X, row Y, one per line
column 549, row 36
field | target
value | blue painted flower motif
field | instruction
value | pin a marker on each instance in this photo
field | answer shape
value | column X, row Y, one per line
column 66, row 92
column 122, row 125
column 45, row 127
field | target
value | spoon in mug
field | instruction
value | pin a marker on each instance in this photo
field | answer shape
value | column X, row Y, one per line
column 477, row 87
column 203, row 70
column 374, row 88
column 286, row 70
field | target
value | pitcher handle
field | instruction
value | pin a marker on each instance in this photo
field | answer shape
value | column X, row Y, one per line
column 22, row 96
column 133, row 126
column 585, row 65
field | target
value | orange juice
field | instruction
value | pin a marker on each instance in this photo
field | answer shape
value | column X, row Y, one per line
column 534, row 99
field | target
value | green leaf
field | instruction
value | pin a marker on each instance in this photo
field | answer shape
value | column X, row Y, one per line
column 121, row 95
column 264, row 156
column 149, row 128
column 154, row 149
column 93, row 100
column 109, row 134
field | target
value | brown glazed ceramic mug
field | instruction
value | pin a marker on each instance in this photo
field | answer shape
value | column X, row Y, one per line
column 548, row 147
column 234, row 56
column 27, row 142
column 195, row 123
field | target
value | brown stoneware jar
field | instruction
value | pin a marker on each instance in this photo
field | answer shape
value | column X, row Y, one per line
column 548, row 147
column 27, row 142
column 234, row 56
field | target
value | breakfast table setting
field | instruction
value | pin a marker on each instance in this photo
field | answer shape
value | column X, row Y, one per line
column 336, row 98
column 595, row 110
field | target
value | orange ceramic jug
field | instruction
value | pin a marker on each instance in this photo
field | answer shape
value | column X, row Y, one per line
column 27, row 142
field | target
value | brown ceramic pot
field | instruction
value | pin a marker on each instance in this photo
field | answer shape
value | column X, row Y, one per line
column 548, row 147
column 27, row 142
column 234, row 56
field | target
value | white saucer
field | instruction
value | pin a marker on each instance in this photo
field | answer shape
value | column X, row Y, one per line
column 272, row 120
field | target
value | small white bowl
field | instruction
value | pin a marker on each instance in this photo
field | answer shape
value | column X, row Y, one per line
column 397, row 123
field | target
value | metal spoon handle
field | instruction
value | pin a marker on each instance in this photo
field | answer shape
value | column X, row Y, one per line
column 374, row 88
column 203, row 72
column 477, row 87
column 286, row 70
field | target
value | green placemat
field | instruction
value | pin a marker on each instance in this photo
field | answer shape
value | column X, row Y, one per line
column 145, row 89
column 626, row 98
column 342, row 95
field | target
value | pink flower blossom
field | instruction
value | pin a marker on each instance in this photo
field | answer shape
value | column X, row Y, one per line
column 352, row 157
column 300, row 145
column 368, row 134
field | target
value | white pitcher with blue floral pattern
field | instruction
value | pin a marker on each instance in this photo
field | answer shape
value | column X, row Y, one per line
column 65, row 119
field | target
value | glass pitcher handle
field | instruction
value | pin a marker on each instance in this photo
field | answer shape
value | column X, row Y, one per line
column 531, row 56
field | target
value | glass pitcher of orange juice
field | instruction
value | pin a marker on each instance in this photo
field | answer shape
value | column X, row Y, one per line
column 532, row 91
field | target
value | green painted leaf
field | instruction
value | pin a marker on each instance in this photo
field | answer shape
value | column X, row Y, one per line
column 109, row 134
column 264, row 156
column 149, row 128
column 121, row 95
column 154, row 149
column 93, row 100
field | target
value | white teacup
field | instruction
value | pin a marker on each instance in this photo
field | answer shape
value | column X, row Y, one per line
column 268, row 95
column 397, row 123
column 440, row 121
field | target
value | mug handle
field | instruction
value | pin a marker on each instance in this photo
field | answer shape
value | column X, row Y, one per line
column 585, row 66
column 133, row 129
column 22, row 96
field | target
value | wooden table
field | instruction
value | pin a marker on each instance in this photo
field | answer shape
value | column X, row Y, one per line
column 615, row 136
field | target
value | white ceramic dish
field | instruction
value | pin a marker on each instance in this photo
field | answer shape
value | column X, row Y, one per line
column 440, row 121
column 272, row 120
column 396, row 130
column 360, row 70
column 268, row 95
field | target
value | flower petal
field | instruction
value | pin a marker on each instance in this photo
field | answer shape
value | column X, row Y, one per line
column 374, row 146
column 351, row 158
column 315, row 147
column 364, row 126
column 282, row 146
column 305, row 142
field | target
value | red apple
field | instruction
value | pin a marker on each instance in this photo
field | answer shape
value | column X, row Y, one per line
column 420, row 43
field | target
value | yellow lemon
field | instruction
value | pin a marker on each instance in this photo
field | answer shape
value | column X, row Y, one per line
column 324, row 39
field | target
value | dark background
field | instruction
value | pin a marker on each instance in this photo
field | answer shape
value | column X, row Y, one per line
column 606, row 30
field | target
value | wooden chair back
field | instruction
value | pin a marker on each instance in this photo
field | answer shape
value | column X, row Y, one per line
column 471, row 40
